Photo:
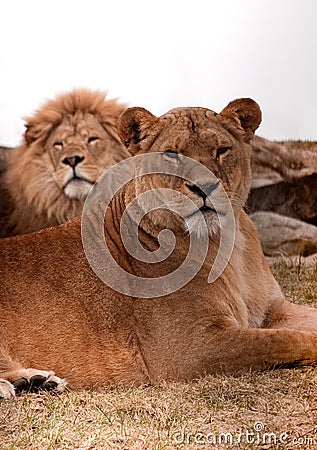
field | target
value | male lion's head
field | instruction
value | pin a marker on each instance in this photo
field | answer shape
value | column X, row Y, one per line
column 68, row 144
column 217, row 141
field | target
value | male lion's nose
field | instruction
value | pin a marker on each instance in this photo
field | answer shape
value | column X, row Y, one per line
column 203, row 189
column 72, row 161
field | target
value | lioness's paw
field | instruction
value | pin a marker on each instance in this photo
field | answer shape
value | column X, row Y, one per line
column 6, row 389
column 36, row 380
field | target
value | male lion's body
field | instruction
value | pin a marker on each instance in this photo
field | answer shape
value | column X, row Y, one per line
column 57, row 314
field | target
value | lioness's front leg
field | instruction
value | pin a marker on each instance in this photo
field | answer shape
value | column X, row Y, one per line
column 284, row 314
column 240, row 350
column 29, row 380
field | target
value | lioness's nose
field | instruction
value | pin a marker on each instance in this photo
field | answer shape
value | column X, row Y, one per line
column 72, row 161
column 203, row 189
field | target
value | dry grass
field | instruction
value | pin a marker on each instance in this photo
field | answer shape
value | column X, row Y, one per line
column 163, row 416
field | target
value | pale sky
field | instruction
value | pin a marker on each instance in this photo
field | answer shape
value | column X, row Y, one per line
column 161, row 55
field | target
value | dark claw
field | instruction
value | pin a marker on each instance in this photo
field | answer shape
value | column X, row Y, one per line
column 21, row 385
column 36, row 382
column 49, row 386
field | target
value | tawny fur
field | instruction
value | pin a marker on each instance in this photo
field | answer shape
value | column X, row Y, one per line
column 57, row 315
column 37, row 189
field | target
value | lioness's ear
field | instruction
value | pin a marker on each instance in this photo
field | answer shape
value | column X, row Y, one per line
column 246, row 113
column 134, row 125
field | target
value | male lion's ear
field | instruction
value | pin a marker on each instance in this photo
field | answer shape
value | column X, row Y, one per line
column 245, row 113
column 29, row 134
column 36, row 130
column 134, row 125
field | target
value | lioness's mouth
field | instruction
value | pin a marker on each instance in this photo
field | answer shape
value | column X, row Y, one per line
column 206, row 209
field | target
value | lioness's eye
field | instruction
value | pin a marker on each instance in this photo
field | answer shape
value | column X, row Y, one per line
column 92, row 139
column 58, row 144
column 171, row 154
column 221, row 151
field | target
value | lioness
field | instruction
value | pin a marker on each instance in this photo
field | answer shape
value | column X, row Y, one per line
column 68, row 143
column 58, row 315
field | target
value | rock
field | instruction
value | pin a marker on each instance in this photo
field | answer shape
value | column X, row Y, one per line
column 297, row 199
column 5, row 153
column 284, row 235
column 284, row 179
column 4, row 158
column 273, row 162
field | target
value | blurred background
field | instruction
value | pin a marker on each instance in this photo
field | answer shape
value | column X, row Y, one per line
column 160, row 55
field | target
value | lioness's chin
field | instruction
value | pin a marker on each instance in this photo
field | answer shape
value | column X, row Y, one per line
column 77, row 189
column 206, row 224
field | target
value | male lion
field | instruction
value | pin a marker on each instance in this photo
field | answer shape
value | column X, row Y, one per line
column 57, row 314
column 68, row 144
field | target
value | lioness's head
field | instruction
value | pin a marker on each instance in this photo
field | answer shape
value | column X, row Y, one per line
column 68, row 143
column 217, row 141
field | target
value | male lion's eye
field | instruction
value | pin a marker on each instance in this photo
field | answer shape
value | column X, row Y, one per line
column 221, row 151
column 58, row 144
column 171, row 154
column 92, row 139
